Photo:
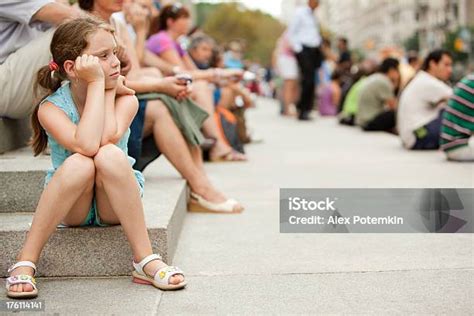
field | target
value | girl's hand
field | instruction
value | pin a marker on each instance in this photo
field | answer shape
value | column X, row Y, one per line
column 122, row 89
column 87, row 68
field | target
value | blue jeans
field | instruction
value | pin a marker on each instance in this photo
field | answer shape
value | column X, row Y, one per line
column 136, row 131
column 427, row 136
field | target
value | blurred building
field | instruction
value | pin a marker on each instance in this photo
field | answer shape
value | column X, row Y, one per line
column 288, row 9
column 373, row 24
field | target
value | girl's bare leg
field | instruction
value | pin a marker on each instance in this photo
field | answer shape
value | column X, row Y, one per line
column 118, row 201
column 66, row 198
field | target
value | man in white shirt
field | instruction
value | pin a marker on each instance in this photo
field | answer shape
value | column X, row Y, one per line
column 305, row 40
column 25, row 36
column 422, row 102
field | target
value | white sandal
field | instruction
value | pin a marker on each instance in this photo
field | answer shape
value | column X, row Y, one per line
column 201, row 205
column 22, row 279
column 160, row 277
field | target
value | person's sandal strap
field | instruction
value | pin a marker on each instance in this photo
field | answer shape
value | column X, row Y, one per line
column 23, row 264
column 21, row 279
column 164, row 274
column 139, row 266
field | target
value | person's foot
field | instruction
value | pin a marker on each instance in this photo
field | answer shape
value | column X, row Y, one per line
column 304, row 116
column 230, row 156
column 22, row 287
column 209, row 193
column 212, row 195
column 219, row 149
column 155, row 265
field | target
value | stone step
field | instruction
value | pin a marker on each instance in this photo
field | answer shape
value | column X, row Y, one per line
column 22, row 179
column 105, row 251
column 14, row 133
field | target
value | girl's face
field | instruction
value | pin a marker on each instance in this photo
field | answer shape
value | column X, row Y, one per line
column 102, row 44
column 179, row 26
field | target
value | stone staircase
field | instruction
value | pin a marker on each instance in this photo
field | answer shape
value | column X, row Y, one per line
column 84, row 251
column 14, row 133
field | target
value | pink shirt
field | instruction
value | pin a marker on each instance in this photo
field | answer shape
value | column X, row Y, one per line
column 161, row 42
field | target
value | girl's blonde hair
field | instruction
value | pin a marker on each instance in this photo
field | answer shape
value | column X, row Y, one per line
column 69, row 41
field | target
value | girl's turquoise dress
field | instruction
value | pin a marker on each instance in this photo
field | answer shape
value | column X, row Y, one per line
column 62, row 98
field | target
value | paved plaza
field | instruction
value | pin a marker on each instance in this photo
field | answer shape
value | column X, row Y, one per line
column 241, row 264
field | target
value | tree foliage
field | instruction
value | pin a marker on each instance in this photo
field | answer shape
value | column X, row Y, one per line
column 230, row 21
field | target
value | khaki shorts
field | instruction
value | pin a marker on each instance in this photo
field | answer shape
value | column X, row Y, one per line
column 18, row 75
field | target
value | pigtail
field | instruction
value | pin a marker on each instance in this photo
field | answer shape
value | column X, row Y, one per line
column 47, row 79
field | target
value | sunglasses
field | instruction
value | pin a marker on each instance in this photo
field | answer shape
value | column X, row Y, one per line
column 176, row 7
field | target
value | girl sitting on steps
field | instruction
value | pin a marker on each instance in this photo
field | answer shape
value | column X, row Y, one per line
column 86, row 123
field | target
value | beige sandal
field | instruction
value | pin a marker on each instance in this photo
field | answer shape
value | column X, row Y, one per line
column 160, row 277
column 22, row 279
column 200, row 205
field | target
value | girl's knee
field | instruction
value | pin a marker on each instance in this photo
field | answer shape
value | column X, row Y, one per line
column 78, row 164
column 110, row 158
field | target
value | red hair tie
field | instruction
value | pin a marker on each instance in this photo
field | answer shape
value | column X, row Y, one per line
column 53, row 66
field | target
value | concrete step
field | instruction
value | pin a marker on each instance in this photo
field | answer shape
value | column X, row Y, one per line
column 22, row 179
column 95, row 251
column 14, row 133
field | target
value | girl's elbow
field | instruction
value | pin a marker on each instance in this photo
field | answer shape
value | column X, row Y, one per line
column 89, row 150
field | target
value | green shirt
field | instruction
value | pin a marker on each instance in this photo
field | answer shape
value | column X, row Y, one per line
column 376, row 91
column 350, row 103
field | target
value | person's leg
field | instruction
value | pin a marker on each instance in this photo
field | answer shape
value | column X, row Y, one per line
column 136, row 131
column 18, row 74
column 203, row 96
column 307, row 67
column 67, row 199
column 462, row 154
column 428, row 136
column 168, row 137
column 227, row 99
column 385, row 121
column 288, row 96
column 118, row 202
column 293, row 95
column 196, row 154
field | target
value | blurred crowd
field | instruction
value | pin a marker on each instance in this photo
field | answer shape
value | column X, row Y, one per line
column 398, row 92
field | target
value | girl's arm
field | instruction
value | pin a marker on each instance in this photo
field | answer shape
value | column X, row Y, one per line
column 126, row 107
column 119, row 112
column 110, row 122
column 85, row 137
